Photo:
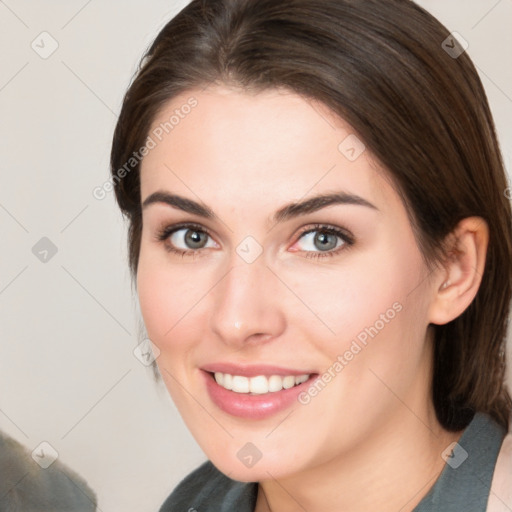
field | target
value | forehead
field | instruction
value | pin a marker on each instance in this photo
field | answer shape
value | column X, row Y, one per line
column 256, row 150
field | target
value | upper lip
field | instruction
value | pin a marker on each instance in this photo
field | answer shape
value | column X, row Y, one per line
column 253, row 370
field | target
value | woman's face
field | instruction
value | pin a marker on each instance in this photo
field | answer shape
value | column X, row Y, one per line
column 335, row 289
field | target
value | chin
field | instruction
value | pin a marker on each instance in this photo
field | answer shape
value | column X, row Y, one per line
column 239, row 466
column 259, row 472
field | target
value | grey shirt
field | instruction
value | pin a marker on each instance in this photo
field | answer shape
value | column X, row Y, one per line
column 26, row 487
column 463, row 485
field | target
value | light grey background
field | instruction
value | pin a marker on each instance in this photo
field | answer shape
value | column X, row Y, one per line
column 68, row 326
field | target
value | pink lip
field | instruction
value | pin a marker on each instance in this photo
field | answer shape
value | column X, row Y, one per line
column 254, row 407
column 253, row 370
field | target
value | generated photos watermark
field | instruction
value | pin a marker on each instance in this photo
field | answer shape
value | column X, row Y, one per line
column 358, row 344
column 157, row 134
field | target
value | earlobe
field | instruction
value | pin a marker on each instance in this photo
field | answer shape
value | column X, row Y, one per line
column 456, row 283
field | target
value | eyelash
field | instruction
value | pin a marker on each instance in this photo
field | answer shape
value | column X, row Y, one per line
column 346, row 237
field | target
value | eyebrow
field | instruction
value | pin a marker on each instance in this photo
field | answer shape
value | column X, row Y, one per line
column 287, row 212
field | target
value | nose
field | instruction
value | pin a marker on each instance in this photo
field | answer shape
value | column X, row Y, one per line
column 246, row 305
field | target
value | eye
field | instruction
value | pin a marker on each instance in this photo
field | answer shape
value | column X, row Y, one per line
column 322, row 240
column 317, row 241
column 185, row 239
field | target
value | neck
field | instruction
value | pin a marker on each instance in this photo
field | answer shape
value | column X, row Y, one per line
column 392, row 470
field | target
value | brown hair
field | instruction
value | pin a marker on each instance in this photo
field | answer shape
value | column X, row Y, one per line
column 421, row 111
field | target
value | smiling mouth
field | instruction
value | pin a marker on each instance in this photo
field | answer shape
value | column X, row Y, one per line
column 260, row 384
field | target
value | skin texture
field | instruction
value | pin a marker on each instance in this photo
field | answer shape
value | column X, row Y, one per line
column 370, row 439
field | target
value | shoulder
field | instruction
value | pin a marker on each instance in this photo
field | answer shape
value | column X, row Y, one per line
column 207, row 489
column 465, row 481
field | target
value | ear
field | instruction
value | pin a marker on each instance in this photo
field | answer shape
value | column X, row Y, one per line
column 456, row 282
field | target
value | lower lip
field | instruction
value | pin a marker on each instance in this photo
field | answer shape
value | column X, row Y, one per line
column 254, row 407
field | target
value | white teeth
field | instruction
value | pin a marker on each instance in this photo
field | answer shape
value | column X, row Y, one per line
column 301, row 378
column 258, row 385
column 240, row 384
column 288, row 382
column 275, row 383
column 228, row 381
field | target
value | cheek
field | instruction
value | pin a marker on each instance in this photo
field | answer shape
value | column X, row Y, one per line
column 165, row 293
column 361, row 291
column 166, row 300
column 377, row 350
column 155, row 299
column 383, row 338
column 371, row 320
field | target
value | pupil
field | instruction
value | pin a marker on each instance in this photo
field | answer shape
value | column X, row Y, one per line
column 326, row 241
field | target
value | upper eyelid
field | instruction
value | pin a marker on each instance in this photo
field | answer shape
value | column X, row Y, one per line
column 307, row 229
column 326, row 227
column 171, row 229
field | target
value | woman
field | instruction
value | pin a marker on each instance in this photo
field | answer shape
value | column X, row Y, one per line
column 322, row 248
